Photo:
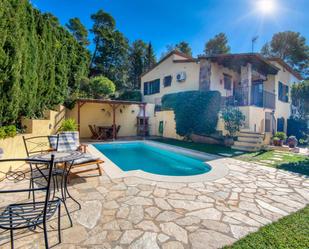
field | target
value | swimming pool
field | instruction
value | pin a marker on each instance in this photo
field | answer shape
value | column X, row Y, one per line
column 142, row 156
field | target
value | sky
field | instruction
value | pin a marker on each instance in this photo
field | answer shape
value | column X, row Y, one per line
column 164, row 22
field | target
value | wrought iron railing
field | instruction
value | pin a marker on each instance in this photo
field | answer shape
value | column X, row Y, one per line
column 251, row 96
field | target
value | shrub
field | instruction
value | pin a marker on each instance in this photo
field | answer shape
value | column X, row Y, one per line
column 298, row 128
column 101, row 87
column 281, row 135
column 195, row 111
column 233, row 119
column 10, row 130
column 132, row 95
column 68, row 125
column 2, row 133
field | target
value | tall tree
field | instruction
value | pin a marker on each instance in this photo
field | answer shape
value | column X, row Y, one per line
column 110, row 57
column 137, row 58
column 217, row 45
column 78, row 30
column 292, row 48
column 150, row 59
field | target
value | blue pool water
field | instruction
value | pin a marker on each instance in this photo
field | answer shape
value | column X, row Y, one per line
column 138, row 155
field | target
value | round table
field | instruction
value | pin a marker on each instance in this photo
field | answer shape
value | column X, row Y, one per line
column 67, row 159
column 59, row 156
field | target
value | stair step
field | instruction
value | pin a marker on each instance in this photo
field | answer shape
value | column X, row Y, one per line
column 246, row 148
column 250, row 139
column 246, row 143
column 250, row 134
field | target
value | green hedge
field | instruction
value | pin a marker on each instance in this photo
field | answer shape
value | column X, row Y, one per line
column 40, row 61
column 195, row 111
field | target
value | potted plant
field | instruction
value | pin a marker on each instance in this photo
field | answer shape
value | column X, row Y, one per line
column 68, row 125
column 279, row 138
column 233, row 120
column 292, row 141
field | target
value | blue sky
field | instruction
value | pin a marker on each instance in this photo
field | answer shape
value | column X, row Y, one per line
column 166, row 22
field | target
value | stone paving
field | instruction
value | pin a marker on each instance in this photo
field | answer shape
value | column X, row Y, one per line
column 140, row 214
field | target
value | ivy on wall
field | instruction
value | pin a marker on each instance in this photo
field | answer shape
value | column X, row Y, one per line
column 195, row 111
column 40, row 61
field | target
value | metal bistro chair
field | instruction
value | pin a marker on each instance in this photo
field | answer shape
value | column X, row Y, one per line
column 38, row 145
column 31, row 214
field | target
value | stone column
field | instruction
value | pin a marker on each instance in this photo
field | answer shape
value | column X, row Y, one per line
column 205, row 74
column 246, row 82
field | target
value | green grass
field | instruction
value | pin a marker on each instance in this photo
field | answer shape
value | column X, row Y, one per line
column 290, row 161
column 290, row 232
column 207, row 148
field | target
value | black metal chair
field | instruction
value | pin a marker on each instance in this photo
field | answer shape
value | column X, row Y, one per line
column 38, row 145
column 30, row 214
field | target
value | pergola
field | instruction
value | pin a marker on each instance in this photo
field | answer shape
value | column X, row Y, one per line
column 114, row 104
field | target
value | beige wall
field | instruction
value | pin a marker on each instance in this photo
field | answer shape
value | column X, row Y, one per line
column 102, row 114
column 169, row 125
column 217, row 79
column 283, row 109
column 168, row 67
column 15, row 148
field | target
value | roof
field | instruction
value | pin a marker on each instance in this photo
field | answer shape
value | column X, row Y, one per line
column 187, row 59
column 108, row 101
column 287, row 67
column 234, row 61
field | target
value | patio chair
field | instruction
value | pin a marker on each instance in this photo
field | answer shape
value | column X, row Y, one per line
column 20, row 215
column 37, row 145
column 68, row 141
column 94, row 133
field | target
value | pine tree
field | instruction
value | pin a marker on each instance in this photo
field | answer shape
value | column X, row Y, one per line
column 217, row 45
column 150, row 59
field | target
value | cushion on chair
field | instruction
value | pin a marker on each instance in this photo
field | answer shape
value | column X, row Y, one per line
column 53, row 140
column 66, row 142
column 87, row 158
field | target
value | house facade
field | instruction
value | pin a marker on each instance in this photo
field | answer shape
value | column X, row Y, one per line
column 258, row 86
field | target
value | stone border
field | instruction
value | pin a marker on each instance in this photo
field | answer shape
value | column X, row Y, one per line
column 113, row 171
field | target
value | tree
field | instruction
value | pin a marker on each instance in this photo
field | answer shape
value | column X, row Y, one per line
column 292, row 48
column 184, row 47
column 137, row 58
column 233, row 119
column 78, row 30
column 217, row 45
column 150, row 59
column 300, row 99
column 110, row 57
column 101, row 87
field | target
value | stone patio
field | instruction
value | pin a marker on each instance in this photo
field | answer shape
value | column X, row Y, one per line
column 136, row 213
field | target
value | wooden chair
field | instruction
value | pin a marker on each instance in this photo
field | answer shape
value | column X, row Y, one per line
column 67, row 141
column 94, row 133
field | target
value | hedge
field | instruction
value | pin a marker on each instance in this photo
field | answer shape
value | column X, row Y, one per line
column 195, row 111
column 40, row 61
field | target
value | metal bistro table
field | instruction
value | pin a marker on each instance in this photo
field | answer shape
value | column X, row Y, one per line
column 66, row 160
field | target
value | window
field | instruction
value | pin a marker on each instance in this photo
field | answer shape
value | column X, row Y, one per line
column 283, row 92
column 227, row 82
column 152, row 87
column 167, row 81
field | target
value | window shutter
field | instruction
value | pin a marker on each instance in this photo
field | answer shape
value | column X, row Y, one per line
column 145, row 88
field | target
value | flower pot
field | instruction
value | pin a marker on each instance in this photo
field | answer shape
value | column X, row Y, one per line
column 228, row 141
column 278, row 142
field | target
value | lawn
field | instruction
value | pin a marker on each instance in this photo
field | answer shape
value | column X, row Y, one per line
column 290, row 232
column 280, row 160
column 207, row 148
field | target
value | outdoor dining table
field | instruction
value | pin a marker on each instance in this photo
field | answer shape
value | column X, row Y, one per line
column 66, row 160
column 103, row 131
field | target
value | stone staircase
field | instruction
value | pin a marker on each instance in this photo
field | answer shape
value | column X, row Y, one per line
column 248, row 141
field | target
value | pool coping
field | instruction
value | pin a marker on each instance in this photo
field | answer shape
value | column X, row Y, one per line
column 218, row 170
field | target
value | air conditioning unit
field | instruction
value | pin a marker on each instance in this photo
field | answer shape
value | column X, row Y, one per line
column 181, row 76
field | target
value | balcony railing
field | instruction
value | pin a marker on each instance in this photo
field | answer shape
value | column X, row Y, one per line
column 252, row 96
